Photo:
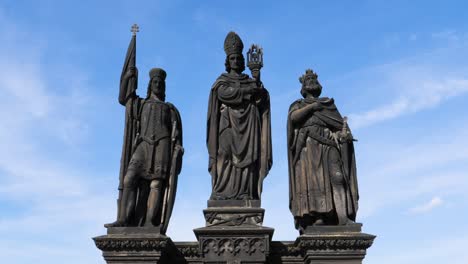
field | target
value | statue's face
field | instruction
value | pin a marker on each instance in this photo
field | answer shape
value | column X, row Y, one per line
column 312, row 86
column 157, row 86
column 235, row 61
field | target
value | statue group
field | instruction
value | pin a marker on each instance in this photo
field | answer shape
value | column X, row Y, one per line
column 323, row 188
column 322, row 166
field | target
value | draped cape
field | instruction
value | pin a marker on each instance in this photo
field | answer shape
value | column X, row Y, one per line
column 260, row 152
column 334, row 122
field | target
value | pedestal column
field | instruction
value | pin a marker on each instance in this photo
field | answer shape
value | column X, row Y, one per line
column 234, row 233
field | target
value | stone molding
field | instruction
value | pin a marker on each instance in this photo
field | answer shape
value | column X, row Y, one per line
column 109, row 243
column 336, row 244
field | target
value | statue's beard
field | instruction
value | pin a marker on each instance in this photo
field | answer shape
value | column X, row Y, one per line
column 314, row 90
column 160, row 93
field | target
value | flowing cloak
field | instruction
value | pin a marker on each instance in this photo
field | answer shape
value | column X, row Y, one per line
column 248, row 121
column 305, row 199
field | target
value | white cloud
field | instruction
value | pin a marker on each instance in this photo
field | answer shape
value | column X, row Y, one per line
column 426, row 167
column 28, row 110
column 433, row 163
column 375, row 197
column 433, row 203
column 414, row 84
column 417, row 92
column 48, row 194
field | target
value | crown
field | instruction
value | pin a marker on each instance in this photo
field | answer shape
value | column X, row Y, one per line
column 233, row 44
column 157, row 72
column 308, row 75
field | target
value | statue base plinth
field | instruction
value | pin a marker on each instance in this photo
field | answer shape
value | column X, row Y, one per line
column 137, row 245
column 236, row 245
column 133, row 230
column 234, row 233
column 334, row 244
column 234, row 213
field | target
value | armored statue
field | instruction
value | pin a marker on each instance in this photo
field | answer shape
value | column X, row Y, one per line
column 322, row 166
column 238, row 127
column 152, row 150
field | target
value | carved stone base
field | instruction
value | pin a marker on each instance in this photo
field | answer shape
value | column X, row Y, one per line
column 231, row 244
column 234, row 244
column 233, row 216
column 228, row 244
column 137, row 245
column 234, row 213
column 334, row 244
column 234, row 233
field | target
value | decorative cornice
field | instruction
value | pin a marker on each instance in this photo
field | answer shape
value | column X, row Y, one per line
column 130, row 244
column 239, row 246
column 335, row 244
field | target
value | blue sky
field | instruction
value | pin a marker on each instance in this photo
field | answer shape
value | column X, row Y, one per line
column 399, row 70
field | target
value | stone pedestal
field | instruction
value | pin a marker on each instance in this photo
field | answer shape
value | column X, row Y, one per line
column 137, row 245
column 232, row 244
column 334, row 244
column 234, row 233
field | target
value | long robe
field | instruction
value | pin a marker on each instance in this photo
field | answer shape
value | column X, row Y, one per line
column 312, row 153
column 238, row 138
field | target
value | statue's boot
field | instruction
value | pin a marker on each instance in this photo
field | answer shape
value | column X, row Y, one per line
column 120, row 211
column 125, row 209
column 154, row 202
column 319, row 222
column 128, row 206
column 113, row 224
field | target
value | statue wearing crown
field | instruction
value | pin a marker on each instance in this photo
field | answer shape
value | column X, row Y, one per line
column 238, row 126
column 322, row 167
column 152, row 150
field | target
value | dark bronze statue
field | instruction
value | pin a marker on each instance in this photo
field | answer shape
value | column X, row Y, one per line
column 152, row 150
column 322, row 166
column 238, row 127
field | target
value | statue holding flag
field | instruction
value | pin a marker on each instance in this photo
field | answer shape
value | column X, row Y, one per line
column 152, row 149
